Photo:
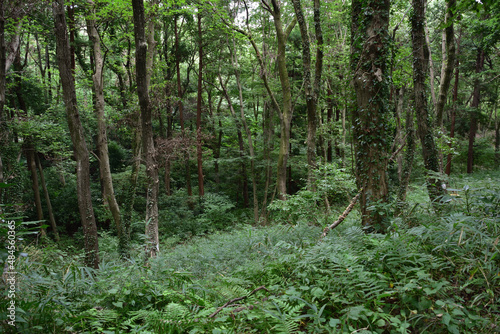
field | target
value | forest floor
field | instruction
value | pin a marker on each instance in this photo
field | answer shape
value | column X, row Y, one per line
column 431, row 273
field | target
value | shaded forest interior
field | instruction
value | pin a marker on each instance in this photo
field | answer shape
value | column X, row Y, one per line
column 133, row 130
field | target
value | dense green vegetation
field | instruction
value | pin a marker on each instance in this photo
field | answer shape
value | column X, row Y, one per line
column 259, row 166
column 429, row 273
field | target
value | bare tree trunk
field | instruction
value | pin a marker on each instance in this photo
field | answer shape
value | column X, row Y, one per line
column 181, row 112
column 30, row 157
column 369, row 58
column 152, row 246
column 420, row 72
column 455, row 98
column 476, row 98
column 237, row 121
column 52, row 220
column 234, row 59
column 77, row 137
column 201, row 189
column 408, row 157
column 108, row 193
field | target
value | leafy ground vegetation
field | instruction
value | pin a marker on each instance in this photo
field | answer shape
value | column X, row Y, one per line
column 431, row 273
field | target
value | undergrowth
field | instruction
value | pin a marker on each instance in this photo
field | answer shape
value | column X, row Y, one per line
column 432, row 273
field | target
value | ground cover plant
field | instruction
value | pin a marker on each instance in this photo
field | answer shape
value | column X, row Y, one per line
column 429, row 274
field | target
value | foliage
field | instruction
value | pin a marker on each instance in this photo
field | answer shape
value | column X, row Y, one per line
column 334, row 185
column 428, row 274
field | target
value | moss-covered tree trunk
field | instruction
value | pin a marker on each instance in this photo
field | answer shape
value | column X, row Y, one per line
column 420, row 73
column 370, row 114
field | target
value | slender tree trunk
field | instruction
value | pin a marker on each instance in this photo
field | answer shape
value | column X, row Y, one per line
column 152, row 246
column 234, row 59
column 3, row 117
column 369, row 58
column 241, row 145
column 108, row 193
column 3, row 61
column 267, row 125
column 30, row 157
column 181, row 111
column 430, row 66
column 52, row 220
column 311, row 91
column 448, row 62
column 408, row 157
column 420, row 72
column 454, row 108
column 77, row 137
column 131, row 190
column 476, row 98
column 286, row 110
column 201, row 189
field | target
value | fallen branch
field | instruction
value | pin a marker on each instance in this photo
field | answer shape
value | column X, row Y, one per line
column 230, row 303
column 342, row 216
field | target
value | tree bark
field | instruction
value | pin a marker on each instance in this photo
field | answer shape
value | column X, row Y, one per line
column 369, row 63
column 407, row 165
column 234, row 59
column 201, row 189
column 454, row 108
column 241, row 145
column 181, row 111
column 420, row 72
column 152, row 241
column 30, row 157
column 476, row 99
column 448, row 62
column 52, row 220
column 80, row 150
column 286, row 111
column 108, row 193
column 311, row 92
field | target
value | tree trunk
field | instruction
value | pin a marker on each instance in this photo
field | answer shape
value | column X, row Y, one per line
column 448, row 62
column 286, row 110
column 30, row 158
column 201, row 189
column 3, row 60
column 52, row 220
column 476, row 98
column 77, row 137
column 234, row 59
column 420, row 72
column 454, row 108
column 369, row 57
column 241, row 146
column 108, row 193
column 408, row 157
column 152, row 241
column 181, row 111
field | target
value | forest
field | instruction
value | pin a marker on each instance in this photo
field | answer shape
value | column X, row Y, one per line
column 249, row 166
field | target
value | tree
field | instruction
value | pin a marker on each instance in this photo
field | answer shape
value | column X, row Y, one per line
column 80, row 150
column 141, row 46
column 370, row 114
column 311, row 92
column 108, row 193
column 420, row 73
